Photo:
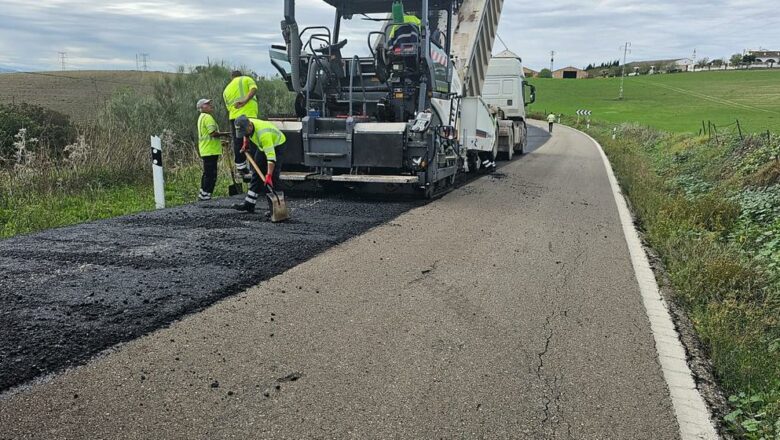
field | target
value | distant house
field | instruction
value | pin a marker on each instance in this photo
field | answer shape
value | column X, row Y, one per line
column 570, row 73
column 684, row 64
column 766, row 56
column 530, row 73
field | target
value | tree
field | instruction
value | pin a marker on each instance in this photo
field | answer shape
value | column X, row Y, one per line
column 545, row 73
column 735, row 59
column 749, row 59
column 717, row 63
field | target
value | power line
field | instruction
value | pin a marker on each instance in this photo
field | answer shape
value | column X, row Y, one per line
column 626, row 50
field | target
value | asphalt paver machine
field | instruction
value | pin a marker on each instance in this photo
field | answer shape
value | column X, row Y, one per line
column 407, row 117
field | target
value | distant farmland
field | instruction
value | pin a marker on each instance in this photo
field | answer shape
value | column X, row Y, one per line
column 675, row 102
column 79, row 94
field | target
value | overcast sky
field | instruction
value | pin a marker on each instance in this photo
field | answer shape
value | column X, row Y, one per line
column 104, row 34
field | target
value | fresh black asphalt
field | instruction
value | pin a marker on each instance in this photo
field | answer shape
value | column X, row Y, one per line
column 69, row 293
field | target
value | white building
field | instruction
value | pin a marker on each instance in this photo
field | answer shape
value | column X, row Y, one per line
column 766, row 56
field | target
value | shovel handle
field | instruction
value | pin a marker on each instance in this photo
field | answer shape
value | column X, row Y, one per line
column 260, row 174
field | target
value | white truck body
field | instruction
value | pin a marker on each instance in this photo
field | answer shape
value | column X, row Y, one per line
column 505, row 92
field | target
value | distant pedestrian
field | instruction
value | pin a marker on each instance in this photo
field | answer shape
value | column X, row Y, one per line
column 209, row 147
column 261, row 139
column 240, row 100
column 551, row 120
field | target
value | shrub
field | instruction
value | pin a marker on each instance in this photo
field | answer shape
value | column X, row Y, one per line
column 52, row 130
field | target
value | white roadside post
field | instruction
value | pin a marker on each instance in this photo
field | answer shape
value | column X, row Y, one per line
column 157, row 172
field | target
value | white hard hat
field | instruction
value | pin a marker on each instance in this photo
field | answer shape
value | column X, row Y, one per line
column 202, row 102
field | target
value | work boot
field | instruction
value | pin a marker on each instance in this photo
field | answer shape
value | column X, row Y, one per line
column 204, row 196
column 244, row 207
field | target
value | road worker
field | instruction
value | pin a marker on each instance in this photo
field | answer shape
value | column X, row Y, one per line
column 209, row 147
column 400, row 17
column 551, row 120
column 241, row 100
column 262, row 140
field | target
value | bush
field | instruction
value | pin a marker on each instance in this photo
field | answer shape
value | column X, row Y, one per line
column 545, row 73
column 52, row 130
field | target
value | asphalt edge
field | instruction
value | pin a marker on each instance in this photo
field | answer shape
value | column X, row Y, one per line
column 691, row 410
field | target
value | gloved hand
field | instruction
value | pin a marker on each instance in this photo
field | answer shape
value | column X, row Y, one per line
column 269, row 180
column 245, row 146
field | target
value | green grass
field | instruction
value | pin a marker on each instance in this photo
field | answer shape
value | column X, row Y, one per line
column 673, row 102
column 23, row 211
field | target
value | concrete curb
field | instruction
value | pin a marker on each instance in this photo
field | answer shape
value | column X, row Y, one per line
column 692, row 413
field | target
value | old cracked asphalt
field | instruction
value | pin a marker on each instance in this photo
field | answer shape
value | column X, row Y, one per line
column 506, row 309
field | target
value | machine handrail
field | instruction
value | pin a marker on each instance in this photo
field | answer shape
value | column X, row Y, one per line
column 356, row 61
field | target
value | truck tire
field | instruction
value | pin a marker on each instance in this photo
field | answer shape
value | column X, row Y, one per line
column 523, row 141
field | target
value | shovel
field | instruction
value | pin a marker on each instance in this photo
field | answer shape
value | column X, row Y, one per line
column 236, row 188
column 279, row 211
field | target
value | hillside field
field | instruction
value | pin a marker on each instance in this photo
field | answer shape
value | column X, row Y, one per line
column 674, row 102
column 79, row 93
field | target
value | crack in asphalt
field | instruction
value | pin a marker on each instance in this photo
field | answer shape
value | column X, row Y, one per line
column 553, row 412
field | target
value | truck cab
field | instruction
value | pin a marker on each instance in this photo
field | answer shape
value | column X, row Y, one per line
column 508, row 93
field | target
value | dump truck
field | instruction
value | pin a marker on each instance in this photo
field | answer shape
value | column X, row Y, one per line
column 409, row 117
column 508, row 93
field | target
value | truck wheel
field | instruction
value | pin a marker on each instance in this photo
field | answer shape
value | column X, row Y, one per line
column 523, row 141
column 510, row 148
column 473, row 162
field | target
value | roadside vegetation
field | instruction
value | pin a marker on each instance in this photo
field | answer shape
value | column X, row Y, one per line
column 710, row 206
column 54, row 172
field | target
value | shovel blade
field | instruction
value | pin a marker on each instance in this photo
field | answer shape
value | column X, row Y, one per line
column 279, row 210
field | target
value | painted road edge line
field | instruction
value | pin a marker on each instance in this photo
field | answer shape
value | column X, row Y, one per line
column 692, row 413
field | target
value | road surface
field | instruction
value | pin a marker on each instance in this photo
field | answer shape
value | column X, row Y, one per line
column 507, row 309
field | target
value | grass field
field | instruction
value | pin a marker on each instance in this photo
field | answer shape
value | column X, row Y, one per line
column 676, row 102
column 79, row 94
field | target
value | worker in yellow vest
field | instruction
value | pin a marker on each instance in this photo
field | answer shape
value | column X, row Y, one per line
column 551, row 120
column 209, row 147
column 261, row 139
column 240, row 97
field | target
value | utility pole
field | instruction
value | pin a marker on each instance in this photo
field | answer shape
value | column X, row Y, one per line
column 552, row 60
column 62, row 55
column 137, row 67
column 626, row 50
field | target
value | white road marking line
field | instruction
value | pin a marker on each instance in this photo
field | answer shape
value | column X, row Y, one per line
column 692, row 413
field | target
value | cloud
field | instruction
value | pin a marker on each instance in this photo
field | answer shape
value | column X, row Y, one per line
column 108, row 35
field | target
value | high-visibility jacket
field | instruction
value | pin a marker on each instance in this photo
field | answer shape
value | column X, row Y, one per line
column 408, row 19
column 208, row 145
column 237, row 90
column 551, row 118
column 267, row 137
